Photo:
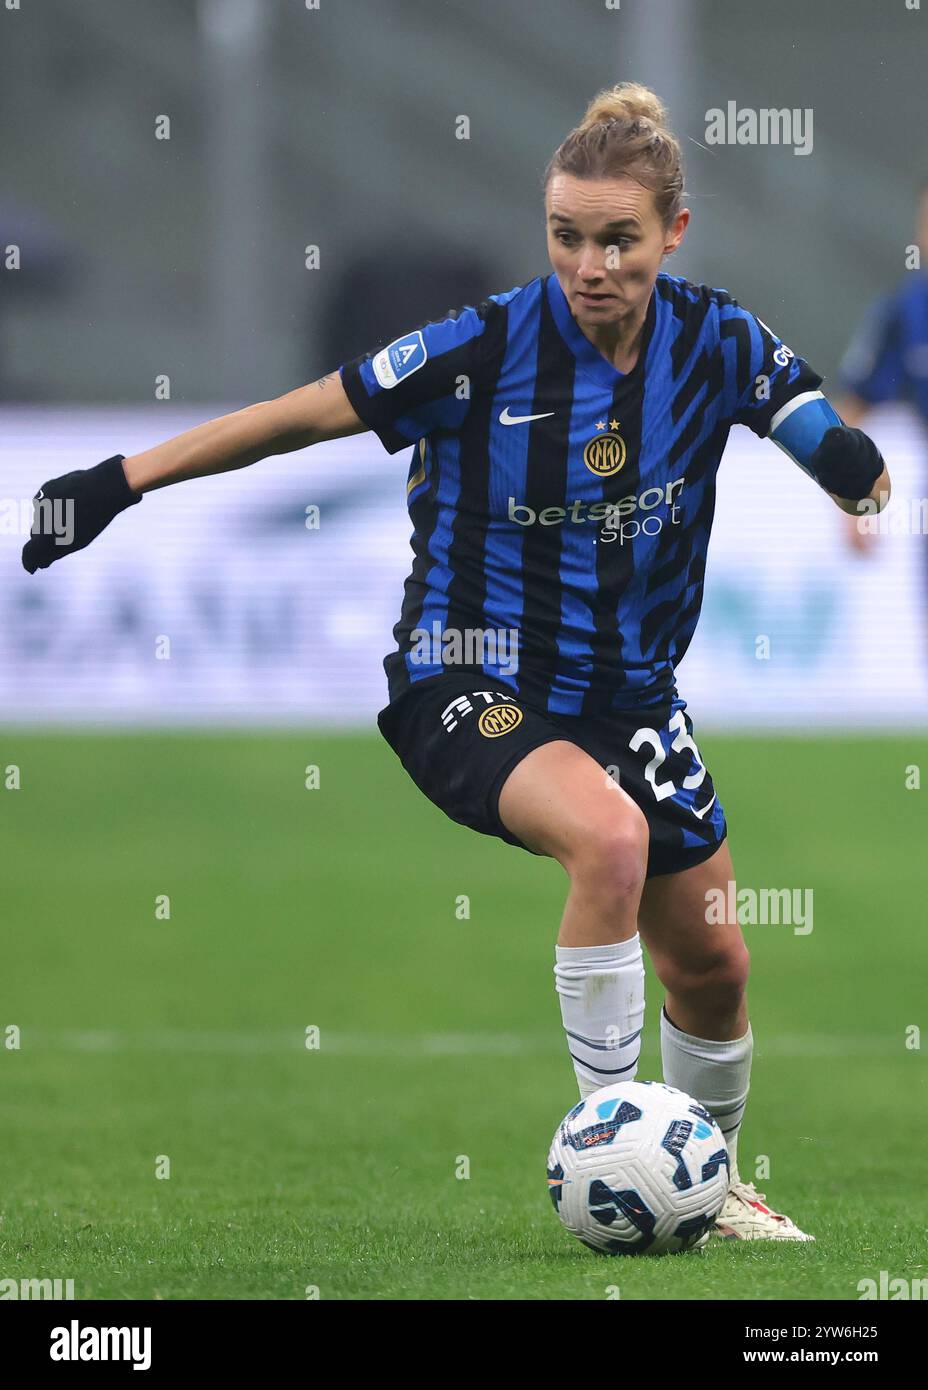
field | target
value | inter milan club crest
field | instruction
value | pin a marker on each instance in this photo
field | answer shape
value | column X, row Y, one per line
column 499, row 719
column 605, row 453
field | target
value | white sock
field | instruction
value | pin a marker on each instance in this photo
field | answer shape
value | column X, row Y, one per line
column 717, row 1074
column 601, row 990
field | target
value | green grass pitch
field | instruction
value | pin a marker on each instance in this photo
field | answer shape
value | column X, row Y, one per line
column 334, row 1168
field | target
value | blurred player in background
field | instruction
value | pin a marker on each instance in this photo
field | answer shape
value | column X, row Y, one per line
column 887, row 360
column 566, row 438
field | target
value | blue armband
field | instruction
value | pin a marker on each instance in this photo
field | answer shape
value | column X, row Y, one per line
column 842, row 460
column 799, row 427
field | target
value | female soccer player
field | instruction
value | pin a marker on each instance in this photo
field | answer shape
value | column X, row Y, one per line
column 567, row 437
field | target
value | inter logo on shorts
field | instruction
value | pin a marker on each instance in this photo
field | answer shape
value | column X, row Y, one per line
column 499, row 719
column 605, row 454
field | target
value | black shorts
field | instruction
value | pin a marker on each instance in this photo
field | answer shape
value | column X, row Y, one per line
column 460, row 735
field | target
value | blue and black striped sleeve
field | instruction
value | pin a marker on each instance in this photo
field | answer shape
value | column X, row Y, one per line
column 423, row 381
column 762, row 374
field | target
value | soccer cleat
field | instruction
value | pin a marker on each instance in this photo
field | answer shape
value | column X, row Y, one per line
column 745, row 1217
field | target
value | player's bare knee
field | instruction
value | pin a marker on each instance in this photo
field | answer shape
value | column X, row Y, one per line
column 610, row 858
column 729, row 977
column 717, row 977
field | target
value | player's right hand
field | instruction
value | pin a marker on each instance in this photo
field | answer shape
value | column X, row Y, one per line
column 70, row 511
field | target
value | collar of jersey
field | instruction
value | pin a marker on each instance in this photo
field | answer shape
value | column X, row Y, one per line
column 589, row 357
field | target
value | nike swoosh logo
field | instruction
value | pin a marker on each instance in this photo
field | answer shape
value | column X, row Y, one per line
column 699, row 814
column 507, row 419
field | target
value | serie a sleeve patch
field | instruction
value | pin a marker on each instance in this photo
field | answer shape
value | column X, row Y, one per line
column 400, row 359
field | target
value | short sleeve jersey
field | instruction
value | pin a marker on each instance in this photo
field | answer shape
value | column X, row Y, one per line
column 556, row 501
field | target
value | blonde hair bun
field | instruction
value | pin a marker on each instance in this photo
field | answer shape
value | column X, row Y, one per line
column 627, row 100
column 624, row 135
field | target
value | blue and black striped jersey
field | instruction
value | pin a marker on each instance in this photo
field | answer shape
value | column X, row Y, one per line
column 558, row 500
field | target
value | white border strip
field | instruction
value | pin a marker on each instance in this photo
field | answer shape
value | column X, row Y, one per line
column 786, row 410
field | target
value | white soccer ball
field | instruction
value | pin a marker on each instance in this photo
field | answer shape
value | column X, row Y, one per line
column 638, row 1169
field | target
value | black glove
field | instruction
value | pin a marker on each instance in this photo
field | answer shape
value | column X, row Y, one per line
column 81, row 504
column 847, row 463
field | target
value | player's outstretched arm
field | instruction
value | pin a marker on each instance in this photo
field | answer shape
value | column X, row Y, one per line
column 92, row 497
column 841, row 458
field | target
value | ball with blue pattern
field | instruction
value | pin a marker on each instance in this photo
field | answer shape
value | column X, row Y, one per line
column 638, row 1169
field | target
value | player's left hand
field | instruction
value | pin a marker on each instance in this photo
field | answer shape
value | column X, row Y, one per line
column 847, row 463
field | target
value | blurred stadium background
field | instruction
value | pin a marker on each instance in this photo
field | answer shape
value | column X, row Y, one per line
column 143, row 260
column 162, row 281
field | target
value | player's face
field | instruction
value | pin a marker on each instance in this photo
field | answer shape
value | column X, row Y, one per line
column 606, row 244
